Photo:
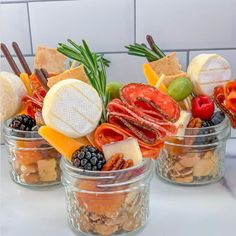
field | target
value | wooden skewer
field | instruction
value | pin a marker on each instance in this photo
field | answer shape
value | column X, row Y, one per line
column 42, row 79
column 45, row 73
column 21, row 58
column 10, row 59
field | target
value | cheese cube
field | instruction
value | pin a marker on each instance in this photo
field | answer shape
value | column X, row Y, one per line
column 129, row 148
column 47, row 170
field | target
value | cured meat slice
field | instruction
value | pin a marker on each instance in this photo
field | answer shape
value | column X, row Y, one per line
column 143, row 132
column 146, row 128
column 148, row 98
column 107, row 133
column 219, row 98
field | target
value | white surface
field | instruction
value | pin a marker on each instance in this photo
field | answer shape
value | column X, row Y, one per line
column 188, row 24
column 174, row 211
column 14, row 26
column 106, row 25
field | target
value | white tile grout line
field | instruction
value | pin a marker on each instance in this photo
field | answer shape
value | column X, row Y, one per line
column 30, row 32
column 165, row 50
column 31, row 1
column 187, row 57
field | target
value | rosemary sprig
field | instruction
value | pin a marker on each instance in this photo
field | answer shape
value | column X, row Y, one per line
column 152, row 54
column 95, row 68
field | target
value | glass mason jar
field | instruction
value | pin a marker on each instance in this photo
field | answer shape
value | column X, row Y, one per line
column 33, row 161
column 107, row 202
column 195, row 156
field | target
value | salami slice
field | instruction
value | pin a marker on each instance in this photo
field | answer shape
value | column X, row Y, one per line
column 108, row 133
column 148, row 98
column 138, row 122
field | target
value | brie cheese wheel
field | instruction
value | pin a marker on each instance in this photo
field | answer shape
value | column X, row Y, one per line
column 207, row 71
column 72, row 108
column 11, row 91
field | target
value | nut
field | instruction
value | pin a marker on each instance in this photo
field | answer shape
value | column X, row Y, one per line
column 29, row 169
column 189, row 160
column 195, row 123
column 186, row 179
column 103, row 229
column 117, row 162
column 203, row 167
column 208, row 155
column 30, row 178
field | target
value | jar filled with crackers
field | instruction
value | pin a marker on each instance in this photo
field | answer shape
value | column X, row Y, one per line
column 107, row 202
column 195, row 156
column 34, row 163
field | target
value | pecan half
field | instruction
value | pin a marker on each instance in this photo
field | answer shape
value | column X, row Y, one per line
column 194, row 125
column 117, row 162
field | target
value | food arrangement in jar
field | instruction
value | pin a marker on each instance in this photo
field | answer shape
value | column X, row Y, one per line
column 107, row 135
column 195, row 153
column 33, row 161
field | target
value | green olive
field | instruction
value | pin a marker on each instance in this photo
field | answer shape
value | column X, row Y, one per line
column 114, row 89
column 180, row 88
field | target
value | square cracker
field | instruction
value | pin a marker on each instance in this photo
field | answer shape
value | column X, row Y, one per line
column 167, row 65
column 49, row 59
column 75, row 73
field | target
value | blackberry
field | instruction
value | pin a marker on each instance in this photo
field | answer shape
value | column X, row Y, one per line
column 23, row 122
column 217, row 117
column 88, row 158
column 208, row 139
column 206, row 123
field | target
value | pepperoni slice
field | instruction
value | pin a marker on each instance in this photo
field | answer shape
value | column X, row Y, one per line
column 107, row 133
column 146, row 128
column 148, row 98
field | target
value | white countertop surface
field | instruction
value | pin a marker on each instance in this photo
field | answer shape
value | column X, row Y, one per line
column 174, row 210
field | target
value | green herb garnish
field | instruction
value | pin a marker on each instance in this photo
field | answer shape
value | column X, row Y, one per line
column 95, row 67
column 152, row 54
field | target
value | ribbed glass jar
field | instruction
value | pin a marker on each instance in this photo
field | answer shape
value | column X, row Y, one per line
column 34, row 163
column 195, row 156
column 107, row 202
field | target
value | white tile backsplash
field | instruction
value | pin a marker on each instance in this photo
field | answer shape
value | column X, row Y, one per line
column 187, row 24
column 229, row 55
column 107, row 25
column 14, row 26
column 4, row 66
column 126, row 68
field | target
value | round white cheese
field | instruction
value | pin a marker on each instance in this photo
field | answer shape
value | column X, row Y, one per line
column 207, row 71
column 72, row 108
column 11, row 91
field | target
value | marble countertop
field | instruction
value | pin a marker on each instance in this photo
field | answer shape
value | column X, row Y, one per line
column 174, row 210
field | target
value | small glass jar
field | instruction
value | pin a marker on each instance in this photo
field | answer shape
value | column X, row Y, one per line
column 107, row 202
column 195, row 156
column 33, row 161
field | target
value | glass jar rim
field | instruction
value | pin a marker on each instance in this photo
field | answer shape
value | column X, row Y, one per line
column 66, row 165
column 8, row 131
column 218, row 129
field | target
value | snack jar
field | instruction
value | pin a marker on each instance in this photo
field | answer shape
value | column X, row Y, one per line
column 107, row 202
column 34, row 163
column 195, row 156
